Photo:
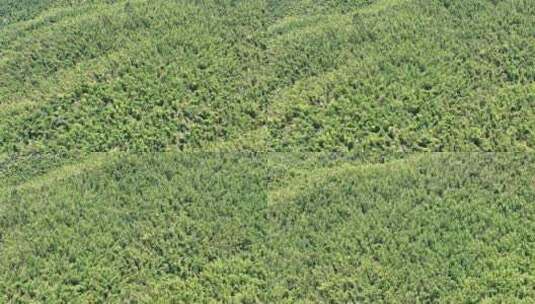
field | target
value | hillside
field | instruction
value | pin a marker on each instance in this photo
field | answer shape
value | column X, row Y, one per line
column 337, row 75
column 267, row 151
column 272, row 228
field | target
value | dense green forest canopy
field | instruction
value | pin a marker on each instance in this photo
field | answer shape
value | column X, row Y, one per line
column 267, row 151
column 267, row 75
column 271, row 228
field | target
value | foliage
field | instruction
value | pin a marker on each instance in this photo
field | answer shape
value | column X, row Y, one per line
column 203, row 227
column 110, row 111
column 385, row 75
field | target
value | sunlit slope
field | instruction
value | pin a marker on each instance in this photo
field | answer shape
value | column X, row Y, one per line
column 284, row 228
column 384, row 75
column 15, row 11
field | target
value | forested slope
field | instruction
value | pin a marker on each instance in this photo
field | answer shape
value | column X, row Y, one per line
column 267, row 151
column 385, row 75
column 272, row 228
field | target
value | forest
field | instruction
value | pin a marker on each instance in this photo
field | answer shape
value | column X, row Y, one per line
column 267, row 151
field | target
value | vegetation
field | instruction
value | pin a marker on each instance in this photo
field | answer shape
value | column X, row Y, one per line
column 267, row 151
column 272, row 228
column 362, row 75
